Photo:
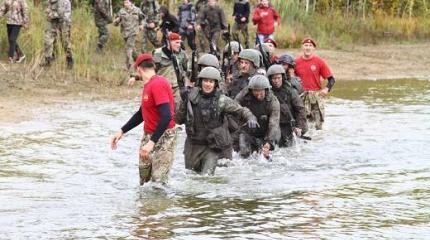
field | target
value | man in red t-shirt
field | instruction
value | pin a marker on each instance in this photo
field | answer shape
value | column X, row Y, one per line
column 310, row 68
column 267, row 19
column 157, row 110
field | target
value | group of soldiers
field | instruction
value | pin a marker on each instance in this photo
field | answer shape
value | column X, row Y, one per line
column 244, row 99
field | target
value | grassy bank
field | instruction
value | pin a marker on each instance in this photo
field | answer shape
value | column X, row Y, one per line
column 333, row 29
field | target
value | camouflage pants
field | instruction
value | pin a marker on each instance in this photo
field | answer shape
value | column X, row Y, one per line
column 157, row 166
column 103, row 33
column 200, row 158
column 55, row 28
column 130, row 52
column 151, row 36
column 314, row 107
column 214, row 39
column 202, row 40
column 241, row 28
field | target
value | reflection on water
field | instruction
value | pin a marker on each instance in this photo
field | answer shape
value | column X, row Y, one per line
column 365, row 176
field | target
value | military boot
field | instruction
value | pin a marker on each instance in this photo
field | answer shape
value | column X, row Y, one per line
column 69, row 61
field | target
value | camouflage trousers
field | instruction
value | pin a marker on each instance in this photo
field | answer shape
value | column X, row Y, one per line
column 151, row 36
column 54, row 29
column 130, row 52
column 202, row 40
column 103, row 33
column 314, row 107
column 214, row 40
column 157, row 166
column 243, row 29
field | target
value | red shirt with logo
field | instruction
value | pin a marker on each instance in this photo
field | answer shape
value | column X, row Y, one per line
column 156, row 92
column 310, row 71
column 265, row 18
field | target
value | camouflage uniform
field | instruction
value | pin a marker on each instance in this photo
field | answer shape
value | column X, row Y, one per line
column 201, row 35
column 202, row 115
column 314, row 106
column 102, row 17
column 165, row 68
column 213, row 18
column 268, row 116
column 129, row 20
column 58, row 14
column 150, row 9
column 159, row 163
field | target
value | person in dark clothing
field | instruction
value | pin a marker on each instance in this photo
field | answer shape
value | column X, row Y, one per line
column 187, row 21
column 241, row 11
column 169, row 22
column 293, row 114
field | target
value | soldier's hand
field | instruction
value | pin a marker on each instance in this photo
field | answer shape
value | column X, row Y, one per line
column 324, row 92
column 198, row 27
column 298, row 132
column 115, row 138
column 131, row 81
column 252, row 123
column 276, row 24
column 151, row 25
column 141, row 28
column 190, row 27
column 147, row 148
column 243, row 19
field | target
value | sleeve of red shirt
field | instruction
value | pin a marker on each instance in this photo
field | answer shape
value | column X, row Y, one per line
column 325, row 70
column 256, row 16
column 160, row 93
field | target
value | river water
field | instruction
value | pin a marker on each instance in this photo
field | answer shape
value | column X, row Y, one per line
column 365, row 176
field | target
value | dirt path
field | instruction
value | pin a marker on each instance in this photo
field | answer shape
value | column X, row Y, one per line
column 19, row 94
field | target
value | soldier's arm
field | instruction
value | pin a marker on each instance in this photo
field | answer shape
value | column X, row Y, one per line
column 223, row 21
column 230, row 106
column 193, row 16
column 299, row 111
column 241, row 94
column 3, row 9
column 273, row 132
column 101, row 6
column 25, row 12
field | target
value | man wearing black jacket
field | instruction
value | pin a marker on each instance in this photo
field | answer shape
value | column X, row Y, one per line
column 241, row 10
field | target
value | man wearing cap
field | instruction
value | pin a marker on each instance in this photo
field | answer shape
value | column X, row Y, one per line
column 157, row 110
column 310, row 68
column 271, row 44
column 164, row 64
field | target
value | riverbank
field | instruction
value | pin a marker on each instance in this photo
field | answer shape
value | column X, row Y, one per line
column 22, row 88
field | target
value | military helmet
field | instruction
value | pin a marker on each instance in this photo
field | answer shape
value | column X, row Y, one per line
column 208, row 60
column 235, row 47
column 259, row 82
column 251, row 55
column 210, row 73
column 275, row 69
column 287, row 59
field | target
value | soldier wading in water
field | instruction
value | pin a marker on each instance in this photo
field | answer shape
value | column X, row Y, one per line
column 203, row 112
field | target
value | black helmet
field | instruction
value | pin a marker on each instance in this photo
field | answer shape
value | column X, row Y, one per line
column 287, row 59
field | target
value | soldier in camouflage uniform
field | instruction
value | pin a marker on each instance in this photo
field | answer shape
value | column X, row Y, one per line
column 250, row 61
column 150, row 9
column 164, row 64
column 158, row 143
column 233, row 70
column 102, row 17
column 293, row 115
column 289, row 64
column 259, row 98
column 130, row 18
column 204, row 116
column 16, row 12
column 201, row 35
column 212, row 17
column 58, row 14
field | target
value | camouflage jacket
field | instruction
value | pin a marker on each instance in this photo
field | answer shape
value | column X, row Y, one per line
column 196, row 125
column 55, row 10
column 16, row 12
column 129, row 20
column 212, row 18
column 267, row 113
column 67, row 11
column 291, row 106
column 165, row 66
column 102, row 10
column 150, row 9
